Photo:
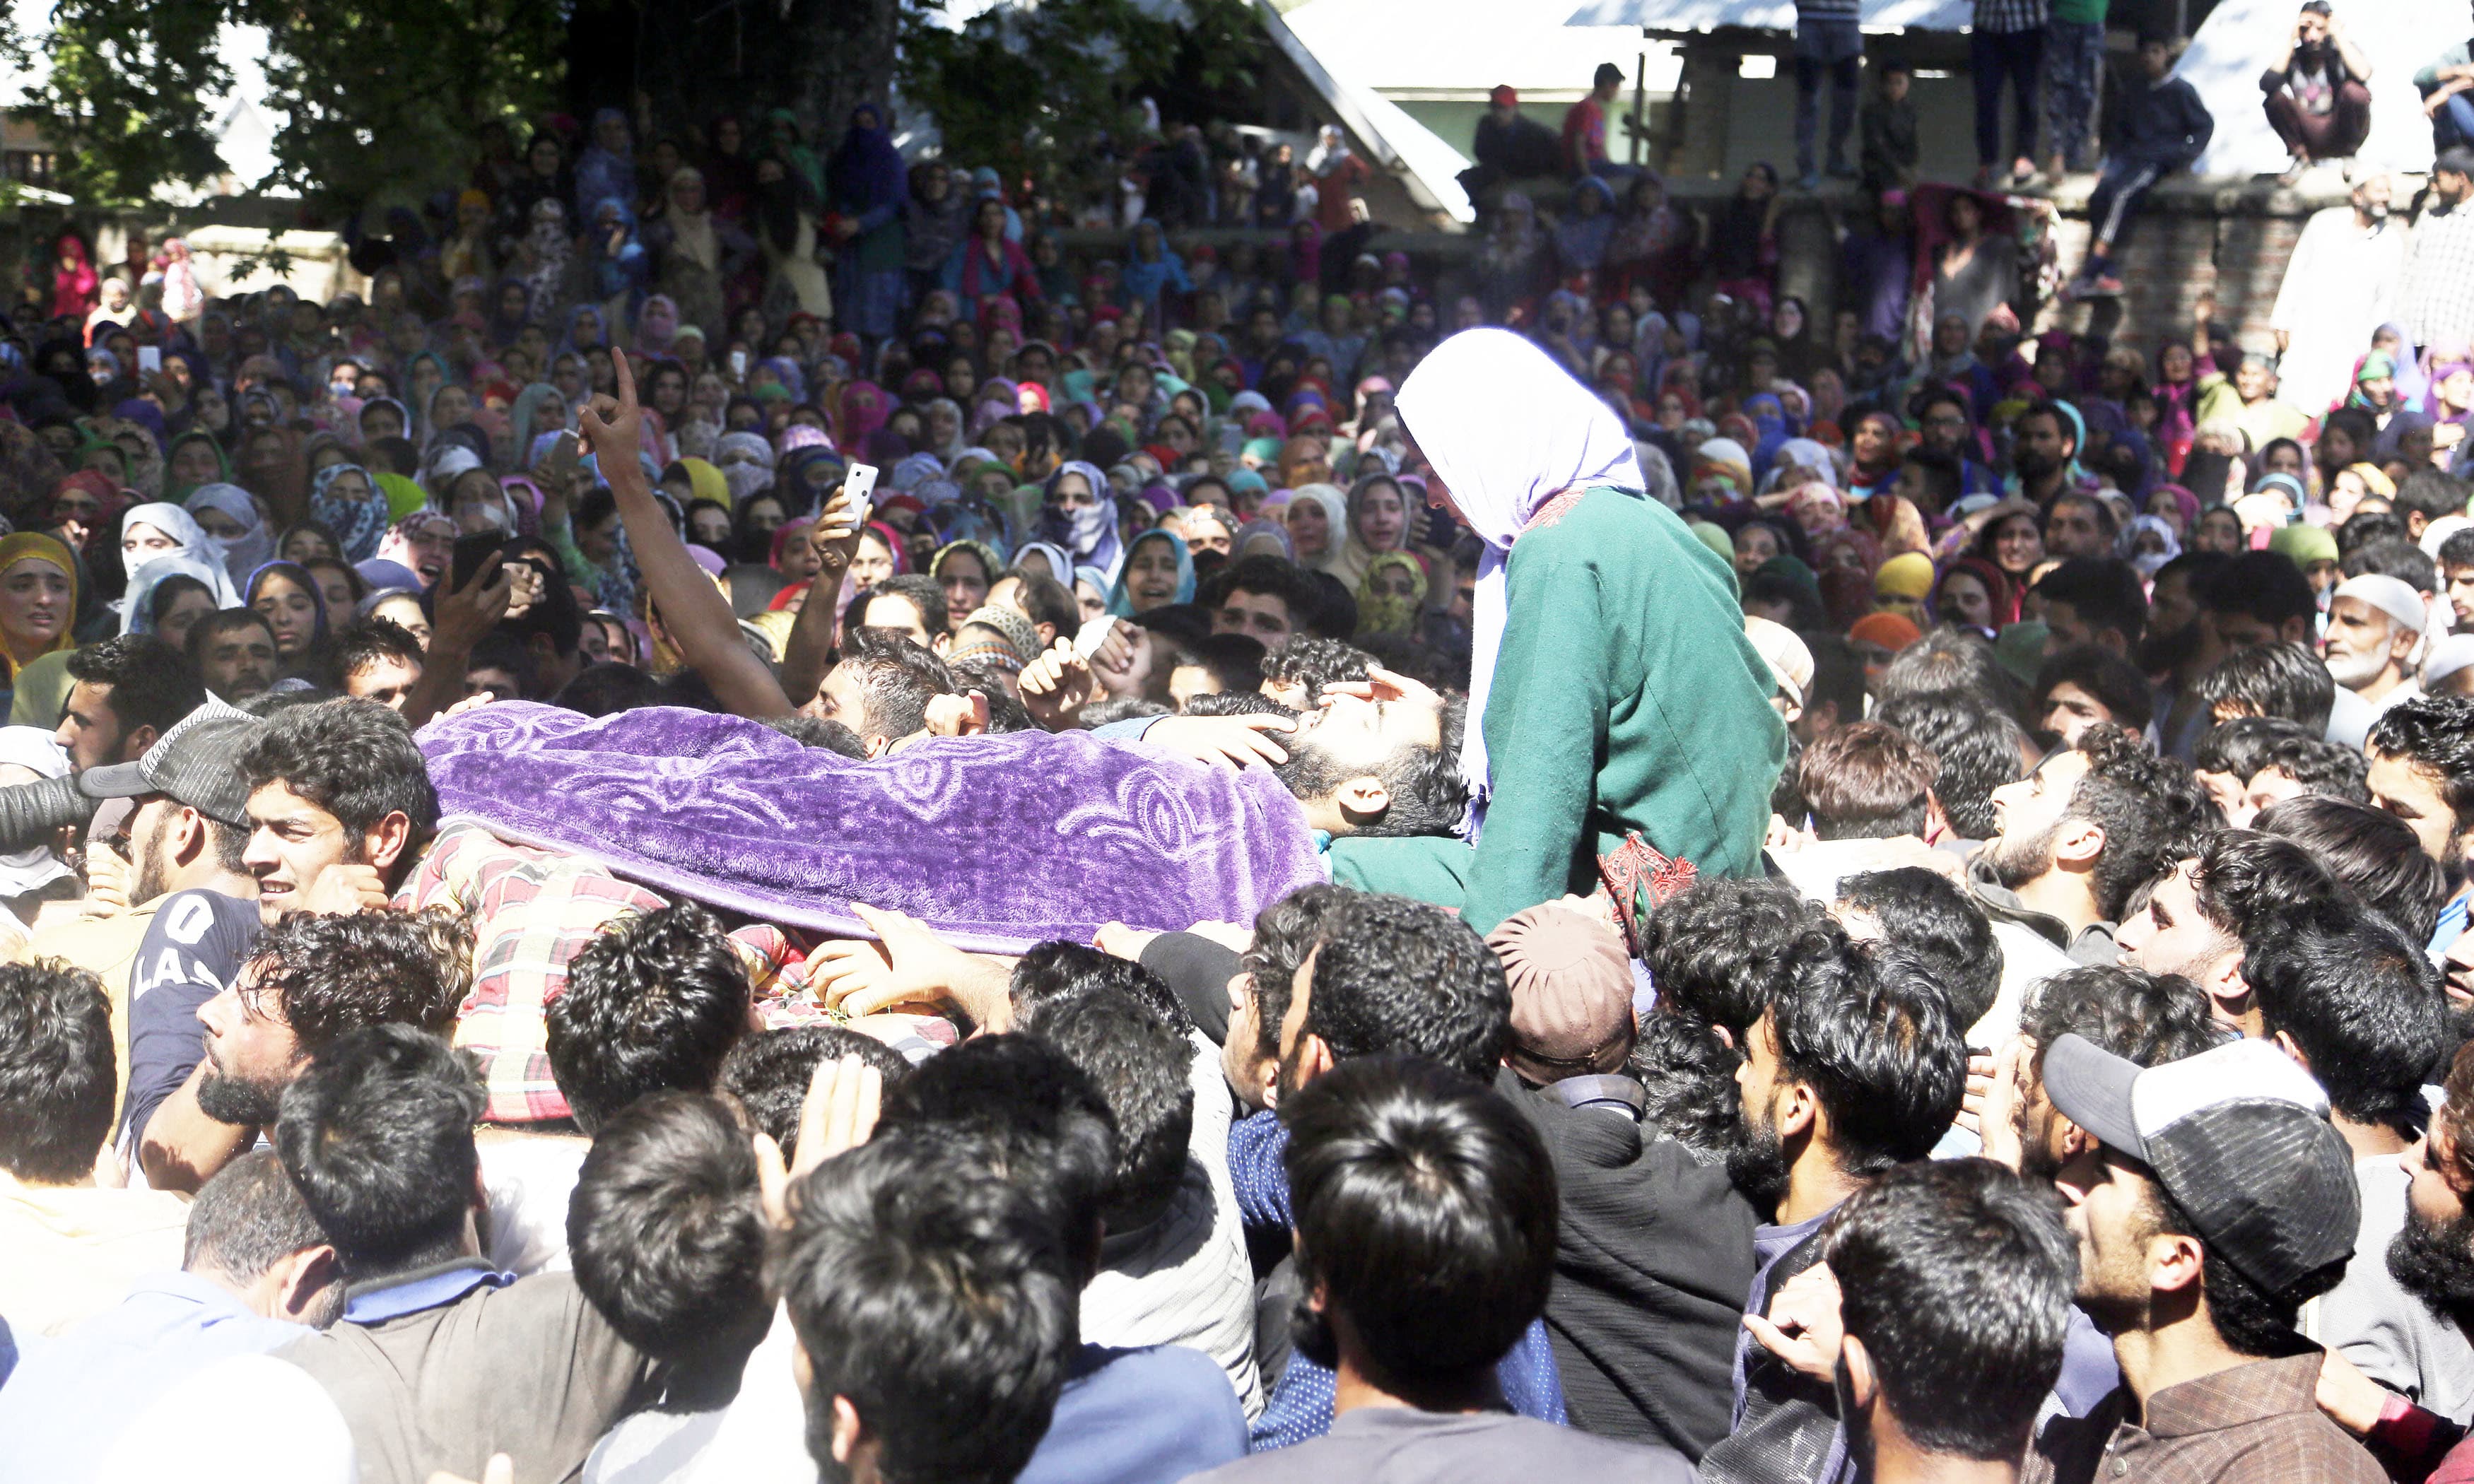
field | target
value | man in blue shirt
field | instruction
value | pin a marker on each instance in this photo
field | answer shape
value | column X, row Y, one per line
column 258, row 1274
column 185, row 838
column 1425, row 1209
column 439, row 1360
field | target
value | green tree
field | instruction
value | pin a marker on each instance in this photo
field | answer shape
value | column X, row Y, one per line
column 381, row 102
column 384, row 99
column 1043, row 92
column 374, row 98
column 121, row 98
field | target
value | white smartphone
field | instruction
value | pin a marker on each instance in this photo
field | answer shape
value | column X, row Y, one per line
column 739, row 363
column 859, row 484
column 150, row 358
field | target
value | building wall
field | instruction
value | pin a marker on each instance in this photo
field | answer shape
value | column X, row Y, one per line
column 2233, row 243
column 1732, row 121
column 2232, row 239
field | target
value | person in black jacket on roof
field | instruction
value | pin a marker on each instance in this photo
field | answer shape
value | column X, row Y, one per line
column 2165, row 128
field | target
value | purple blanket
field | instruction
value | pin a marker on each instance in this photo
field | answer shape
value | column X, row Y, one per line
column 997, row 843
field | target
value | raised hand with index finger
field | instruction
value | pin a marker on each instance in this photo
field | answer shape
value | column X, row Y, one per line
column 611, row 427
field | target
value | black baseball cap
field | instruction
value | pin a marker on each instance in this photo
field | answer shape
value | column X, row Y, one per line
column 2238, row 1135
column 197, row 762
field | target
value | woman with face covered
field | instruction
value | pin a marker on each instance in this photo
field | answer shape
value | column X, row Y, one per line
column 1079, row 514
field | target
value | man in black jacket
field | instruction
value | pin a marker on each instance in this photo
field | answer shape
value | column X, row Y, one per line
column 1654, row 1245
column 2165, row 128
column 1509, row 146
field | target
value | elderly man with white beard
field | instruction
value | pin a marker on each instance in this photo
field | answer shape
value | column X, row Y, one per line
column 2374, row 634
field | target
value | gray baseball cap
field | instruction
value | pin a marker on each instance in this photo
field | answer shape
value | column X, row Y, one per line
column 197, row 762
column 2239, row 1136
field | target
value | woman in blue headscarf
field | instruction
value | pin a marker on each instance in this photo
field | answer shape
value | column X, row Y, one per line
column 1581, row 241
column 617, row 266
column 1769, row 420
column 607, row 167
column 1150, row 269
column 869, row 184
column 587, row 328
column 1158, row 571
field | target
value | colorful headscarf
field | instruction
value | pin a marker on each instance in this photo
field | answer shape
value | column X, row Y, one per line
column 45, row 548
column 1380, row 613
column 359, row 525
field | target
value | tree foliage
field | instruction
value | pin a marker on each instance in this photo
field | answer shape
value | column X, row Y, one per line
column 385, row 98
column 122, row 98
column 696, row 59
column 1050, row 91
column 374, row 99
column 381, row 102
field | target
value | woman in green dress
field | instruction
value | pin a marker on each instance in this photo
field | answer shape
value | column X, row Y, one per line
column 1619, row 724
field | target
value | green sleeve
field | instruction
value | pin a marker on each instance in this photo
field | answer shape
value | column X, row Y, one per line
column 1427, row 868
column 562, row 540
column 1545, row 730
column 2217, row 398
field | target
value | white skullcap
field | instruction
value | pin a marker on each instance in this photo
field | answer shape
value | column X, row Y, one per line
column 2436, row 534
column 2449, row 656
column 1789, row 659
column 2391, row 595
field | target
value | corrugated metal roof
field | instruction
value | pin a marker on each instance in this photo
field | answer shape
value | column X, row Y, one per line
column 1690, row 16
column 1398, row 144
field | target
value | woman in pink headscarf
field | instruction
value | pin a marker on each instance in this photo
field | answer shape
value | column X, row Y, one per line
column 75, row 288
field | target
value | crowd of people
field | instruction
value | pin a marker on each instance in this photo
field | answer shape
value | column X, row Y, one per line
column 739, row 859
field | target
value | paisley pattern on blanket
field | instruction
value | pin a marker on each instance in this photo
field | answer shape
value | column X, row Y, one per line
column 997, row 843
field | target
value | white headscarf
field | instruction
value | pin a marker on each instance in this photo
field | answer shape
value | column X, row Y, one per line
column 242, row 554
column 170, row 520
column 30, row 748
column 745, row 478
column 150, row 575
column 1334, row 504
column 448, row 461
column 1506, row 429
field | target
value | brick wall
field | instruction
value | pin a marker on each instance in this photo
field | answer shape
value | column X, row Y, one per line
column 2232, row 238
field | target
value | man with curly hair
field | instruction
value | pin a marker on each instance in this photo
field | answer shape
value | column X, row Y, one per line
column 313, row 977
column 2080, row 835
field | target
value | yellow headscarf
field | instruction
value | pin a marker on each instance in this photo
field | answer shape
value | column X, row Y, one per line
column 707, row 483
column 2374, row 479
column 1383, row 613
column 49, row 549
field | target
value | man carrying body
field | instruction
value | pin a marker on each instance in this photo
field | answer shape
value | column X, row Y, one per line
column 2213, row 1201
